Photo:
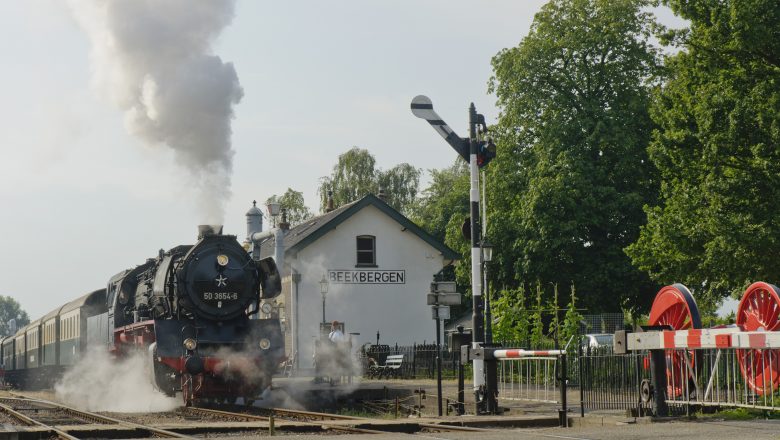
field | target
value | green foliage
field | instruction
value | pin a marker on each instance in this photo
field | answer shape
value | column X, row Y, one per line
column 553, row 307
column 511, row 315
column 292, row 201
column 567, row 188
column 356, row 175
column 444, row 200
column 10, row 309
column 571, row 321
column 535, row 321
column 715, row 226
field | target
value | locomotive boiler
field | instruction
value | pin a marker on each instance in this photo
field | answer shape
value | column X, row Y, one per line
column 190, row 309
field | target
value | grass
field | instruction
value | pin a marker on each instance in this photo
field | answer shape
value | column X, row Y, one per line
column 735, row 414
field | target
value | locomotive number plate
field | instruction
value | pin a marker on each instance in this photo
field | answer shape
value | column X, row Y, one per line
column 220, row 296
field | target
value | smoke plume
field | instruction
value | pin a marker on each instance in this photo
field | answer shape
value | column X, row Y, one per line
column 153, row 58
column 100, row 383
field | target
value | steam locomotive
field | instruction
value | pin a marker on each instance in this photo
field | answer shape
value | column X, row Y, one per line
column 190, row 310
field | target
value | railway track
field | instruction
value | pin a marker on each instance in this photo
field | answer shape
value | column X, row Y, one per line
column 63, row 421
column 53, row 419
column 348, row 424
column 303, row 417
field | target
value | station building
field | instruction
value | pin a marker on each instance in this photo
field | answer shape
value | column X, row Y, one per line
column 364, row 264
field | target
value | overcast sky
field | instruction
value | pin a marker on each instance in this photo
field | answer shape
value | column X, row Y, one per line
column 82, row 199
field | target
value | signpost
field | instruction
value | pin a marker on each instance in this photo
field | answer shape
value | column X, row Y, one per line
column 442, row 296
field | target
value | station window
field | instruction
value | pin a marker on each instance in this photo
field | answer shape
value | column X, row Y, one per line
column 366, row 250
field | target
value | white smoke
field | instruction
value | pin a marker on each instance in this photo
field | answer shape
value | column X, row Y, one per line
column 153, row 58
column 98, row 382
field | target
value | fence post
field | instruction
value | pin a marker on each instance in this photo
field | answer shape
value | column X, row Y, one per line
column 461, row 391
column 414, row 360
column 563, row 418
column 582, row 382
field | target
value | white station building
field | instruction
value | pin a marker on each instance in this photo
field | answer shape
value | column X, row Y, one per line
column 364, row 264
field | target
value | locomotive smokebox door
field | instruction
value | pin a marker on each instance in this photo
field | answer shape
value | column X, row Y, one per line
column 270, row 280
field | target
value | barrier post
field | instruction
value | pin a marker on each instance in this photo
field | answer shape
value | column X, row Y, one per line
column 658, row 372
column 563, row 418
column 464, row 356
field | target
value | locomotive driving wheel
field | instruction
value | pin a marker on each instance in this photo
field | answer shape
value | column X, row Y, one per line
column 759, row 310
column 674, row 306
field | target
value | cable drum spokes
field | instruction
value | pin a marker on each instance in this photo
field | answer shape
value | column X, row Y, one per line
column 759, row 310
column 674, row 306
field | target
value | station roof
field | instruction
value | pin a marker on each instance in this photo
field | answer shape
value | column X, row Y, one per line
column 309, row 231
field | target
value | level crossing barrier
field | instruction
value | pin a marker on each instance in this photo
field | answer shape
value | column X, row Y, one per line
column 736, row 365
column 526, row 374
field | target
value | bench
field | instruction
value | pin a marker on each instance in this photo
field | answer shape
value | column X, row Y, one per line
column 392, row 367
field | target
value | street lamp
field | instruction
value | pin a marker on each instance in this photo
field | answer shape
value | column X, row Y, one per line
column 487, row 256
column 323, row 291
column 487, row 251
column 273, row 208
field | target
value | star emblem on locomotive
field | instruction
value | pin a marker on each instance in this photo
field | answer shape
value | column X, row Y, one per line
column 221, row 281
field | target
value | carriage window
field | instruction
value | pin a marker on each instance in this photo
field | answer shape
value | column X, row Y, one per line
column 366, row 250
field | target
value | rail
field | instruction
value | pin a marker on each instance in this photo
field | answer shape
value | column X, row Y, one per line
column 7, row 406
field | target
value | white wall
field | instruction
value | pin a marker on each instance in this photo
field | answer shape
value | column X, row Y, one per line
column 398, row 311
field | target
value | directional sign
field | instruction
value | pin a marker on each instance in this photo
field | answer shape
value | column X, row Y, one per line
column 444, row 299
column 443, row 287
column 441, row 312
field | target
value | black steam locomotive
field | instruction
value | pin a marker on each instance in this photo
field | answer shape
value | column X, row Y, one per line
column 190, row 309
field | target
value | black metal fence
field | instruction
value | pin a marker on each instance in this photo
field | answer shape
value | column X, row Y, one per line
column 419, row 360
column 610, row 381
column 605, row 381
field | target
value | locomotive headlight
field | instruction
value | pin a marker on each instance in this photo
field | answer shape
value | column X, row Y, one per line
column 222, row 260
column 190, row 344
column 265, row 344
column 267, row 308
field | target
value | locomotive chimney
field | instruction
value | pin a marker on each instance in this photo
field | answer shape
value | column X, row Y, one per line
column 209, row 230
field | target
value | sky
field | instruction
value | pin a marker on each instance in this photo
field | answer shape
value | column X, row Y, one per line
column 82, row 198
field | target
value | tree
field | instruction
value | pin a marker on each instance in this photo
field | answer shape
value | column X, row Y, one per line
column 355, row 175
column 292, row 201
column 10, row 309
column 566, row 190
column 446, row 197
column 717, row 148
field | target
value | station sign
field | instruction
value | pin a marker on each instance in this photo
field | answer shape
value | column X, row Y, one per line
column 441, row 312
column 444, row 299
column 443, row 287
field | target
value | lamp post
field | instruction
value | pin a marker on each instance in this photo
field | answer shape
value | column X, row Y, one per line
column 487, row 256
column 273, row 211
column 323, row 291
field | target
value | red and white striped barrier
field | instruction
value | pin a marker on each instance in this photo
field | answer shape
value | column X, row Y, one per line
column 515, row 353
column 702, row 339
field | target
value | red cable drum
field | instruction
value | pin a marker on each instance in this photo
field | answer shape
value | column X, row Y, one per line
column 759, row 310
column 674, row 306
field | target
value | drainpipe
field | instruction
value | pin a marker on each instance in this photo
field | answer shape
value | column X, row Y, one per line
column 296, row 278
